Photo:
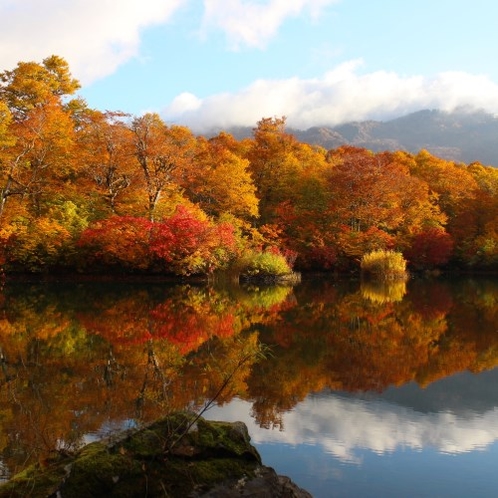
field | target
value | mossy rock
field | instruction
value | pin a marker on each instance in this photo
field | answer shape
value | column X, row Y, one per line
column 168, row 458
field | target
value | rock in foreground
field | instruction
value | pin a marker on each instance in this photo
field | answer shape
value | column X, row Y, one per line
column 167, row 458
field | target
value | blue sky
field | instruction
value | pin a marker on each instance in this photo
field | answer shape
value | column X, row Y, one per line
column 218, row 63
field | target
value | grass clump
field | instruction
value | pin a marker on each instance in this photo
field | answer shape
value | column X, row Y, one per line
column 383, row 264
column 262, row 264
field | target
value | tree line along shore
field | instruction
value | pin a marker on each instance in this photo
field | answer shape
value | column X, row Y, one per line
column 87, row 191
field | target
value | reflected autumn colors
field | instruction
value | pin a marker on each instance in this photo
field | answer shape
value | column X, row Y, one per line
column 381, row 291
column 81, row 359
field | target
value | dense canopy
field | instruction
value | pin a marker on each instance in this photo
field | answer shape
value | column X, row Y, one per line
column 85, row 190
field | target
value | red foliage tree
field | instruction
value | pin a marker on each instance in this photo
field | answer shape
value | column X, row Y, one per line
column 430, row 248
column 188, row 244
column 117, row 241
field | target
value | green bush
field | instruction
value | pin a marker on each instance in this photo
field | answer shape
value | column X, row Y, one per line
column 263, row 264
column 387, row 265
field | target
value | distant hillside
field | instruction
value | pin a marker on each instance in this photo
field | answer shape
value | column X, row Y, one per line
column 458, row 136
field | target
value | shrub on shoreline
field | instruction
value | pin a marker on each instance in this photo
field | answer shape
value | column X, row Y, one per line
column 384, row 264
column 263, row 263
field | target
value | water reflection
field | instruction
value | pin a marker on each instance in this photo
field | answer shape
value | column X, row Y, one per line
column 341, row 445
column 381, row 291
column 344, row 426
column 352, row 367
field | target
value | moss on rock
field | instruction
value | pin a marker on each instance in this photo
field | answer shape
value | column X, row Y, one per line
column 172, row 457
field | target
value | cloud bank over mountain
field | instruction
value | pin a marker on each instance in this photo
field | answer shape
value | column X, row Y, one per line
column 215, row 64
column 339, row 96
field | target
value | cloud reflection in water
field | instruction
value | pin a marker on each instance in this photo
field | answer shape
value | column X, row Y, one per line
column 341, row 426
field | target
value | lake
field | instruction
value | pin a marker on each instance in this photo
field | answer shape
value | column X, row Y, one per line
column 360, row 390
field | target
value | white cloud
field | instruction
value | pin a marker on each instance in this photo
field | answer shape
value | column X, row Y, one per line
column 94, row 36
column 340, row 95
column 253, row 23
column 185, row 102
column 97, row 36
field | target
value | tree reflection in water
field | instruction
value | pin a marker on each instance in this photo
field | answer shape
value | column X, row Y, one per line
column 81, row 359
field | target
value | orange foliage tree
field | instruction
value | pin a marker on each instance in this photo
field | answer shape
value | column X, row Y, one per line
column 164, row 155
column 105, row 146
column 65, row 163
column 40, row 157
column 225, row 185
column 119, row 241
column 278, row 162
column 372, row 203
column 456, row 191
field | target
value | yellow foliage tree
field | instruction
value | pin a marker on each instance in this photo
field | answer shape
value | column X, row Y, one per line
column 225, row 185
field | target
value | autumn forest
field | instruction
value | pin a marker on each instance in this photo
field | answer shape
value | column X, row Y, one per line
column 91, row 191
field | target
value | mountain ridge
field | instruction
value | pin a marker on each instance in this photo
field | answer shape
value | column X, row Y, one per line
column 461, row 136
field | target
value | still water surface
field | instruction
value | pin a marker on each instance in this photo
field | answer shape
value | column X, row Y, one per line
column 364, row 391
